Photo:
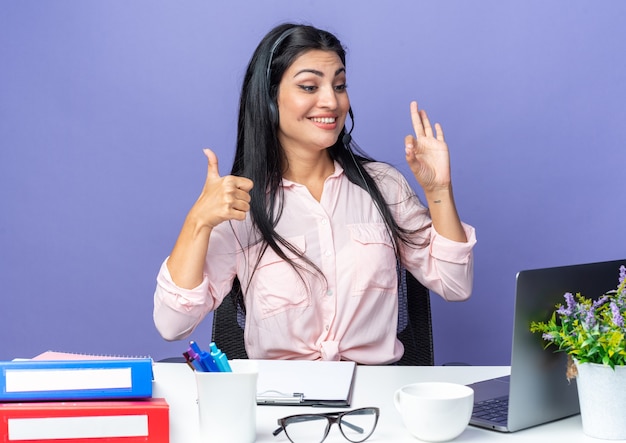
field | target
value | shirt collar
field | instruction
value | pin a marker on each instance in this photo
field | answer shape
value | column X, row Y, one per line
column 338, row 173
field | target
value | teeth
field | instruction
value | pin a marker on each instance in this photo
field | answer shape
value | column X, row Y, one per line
column 324, row 120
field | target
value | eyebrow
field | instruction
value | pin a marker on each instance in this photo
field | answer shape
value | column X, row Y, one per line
column 318, row 73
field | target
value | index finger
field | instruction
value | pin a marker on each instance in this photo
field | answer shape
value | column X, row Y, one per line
column 428, row 130
column 244, row 183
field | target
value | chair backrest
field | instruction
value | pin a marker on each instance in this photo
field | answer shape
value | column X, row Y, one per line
column 415, row 327
column 228, row 323
column 414, row 323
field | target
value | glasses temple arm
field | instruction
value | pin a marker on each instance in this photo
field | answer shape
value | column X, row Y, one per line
column 353, row 427
column 278, row 431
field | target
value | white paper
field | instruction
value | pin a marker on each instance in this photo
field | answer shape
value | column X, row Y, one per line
column 316, row 380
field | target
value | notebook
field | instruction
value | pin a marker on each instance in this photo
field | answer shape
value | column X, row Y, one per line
column 537, row 390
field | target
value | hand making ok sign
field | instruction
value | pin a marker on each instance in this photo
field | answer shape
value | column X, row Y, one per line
column 427, row 152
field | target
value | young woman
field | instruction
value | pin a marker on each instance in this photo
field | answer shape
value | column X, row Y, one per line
column 310, row 229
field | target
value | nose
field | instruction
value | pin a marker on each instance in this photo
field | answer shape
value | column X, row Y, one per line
column 328, row 97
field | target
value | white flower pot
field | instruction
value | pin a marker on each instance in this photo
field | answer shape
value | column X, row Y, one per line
column 602, row 396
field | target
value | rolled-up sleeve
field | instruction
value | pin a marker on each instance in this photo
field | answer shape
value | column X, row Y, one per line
column 449, row 270
column 178, row 311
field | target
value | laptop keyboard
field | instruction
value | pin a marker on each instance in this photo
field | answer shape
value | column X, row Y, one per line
column 494, row 410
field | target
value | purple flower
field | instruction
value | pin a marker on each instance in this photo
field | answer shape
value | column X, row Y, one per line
column 599, row 302
column 622, row 277
column 548, row 337
column 590, row 318
column 567, row 311
column 617, row 315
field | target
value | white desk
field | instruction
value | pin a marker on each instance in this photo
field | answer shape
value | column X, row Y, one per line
column 374, row 386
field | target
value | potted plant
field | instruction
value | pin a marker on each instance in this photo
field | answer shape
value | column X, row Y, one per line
column 592, row 333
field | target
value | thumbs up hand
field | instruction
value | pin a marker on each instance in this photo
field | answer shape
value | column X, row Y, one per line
column 222, row 198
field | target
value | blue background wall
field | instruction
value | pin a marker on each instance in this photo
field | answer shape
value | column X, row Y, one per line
column 105, row 107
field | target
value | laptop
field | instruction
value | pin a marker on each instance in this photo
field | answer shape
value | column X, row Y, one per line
column 537, row 390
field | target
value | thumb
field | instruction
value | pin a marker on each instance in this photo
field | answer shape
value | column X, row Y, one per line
column 213, row 165
column 410, row 145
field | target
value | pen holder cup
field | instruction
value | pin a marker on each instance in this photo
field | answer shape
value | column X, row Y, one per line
column 227, row 403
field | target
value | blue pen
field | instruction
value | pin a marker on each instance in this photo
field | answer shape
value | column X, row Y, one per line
column 220, row 358
column 204, row 358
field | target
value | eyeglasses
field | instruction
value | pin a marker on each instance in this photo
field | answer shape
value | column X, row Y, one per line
column 356, row 425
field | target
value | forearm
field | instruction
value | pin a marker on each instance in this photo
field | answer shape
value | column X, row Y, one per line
column 186, row 261
column 444, row 215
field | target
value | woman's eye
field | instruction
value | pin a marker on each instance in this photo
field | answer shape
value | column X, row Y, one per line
column 341, row 88
column 308, row 88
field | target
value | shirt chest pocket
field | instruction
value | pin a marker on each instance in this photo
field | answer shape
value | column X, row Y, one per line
column 374, row 257
column 277, row 286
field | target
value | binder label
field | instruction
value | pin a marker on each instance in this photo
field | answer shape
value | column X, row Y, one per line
column 56, row 428
column 70, row 379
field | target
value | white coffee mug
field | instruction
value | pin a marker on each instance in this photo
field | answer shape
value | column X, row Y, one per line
column 435, row 411
column 227, row 403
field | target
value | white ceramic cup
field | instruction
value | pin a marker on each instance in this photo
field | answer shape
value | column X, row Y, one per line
column 227, row 403
column 435, row 411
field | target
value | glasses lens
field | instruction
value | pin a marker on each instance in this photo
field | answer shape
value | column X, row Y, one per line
column 306, row 428
column 359, row 424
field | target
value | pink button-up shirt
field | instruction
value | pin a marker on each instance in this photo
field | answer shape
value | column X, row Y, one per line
column 348, row 313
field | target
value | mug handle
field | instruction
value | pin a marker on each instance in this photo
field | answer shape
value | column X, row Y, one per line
column 396, row 400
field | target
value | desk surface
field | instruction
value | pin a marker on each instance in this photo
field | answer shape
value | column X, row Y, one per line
column 374, row 386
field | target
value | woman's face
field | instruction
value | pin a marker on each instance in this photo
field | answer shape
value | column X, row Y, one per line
column 312, row 102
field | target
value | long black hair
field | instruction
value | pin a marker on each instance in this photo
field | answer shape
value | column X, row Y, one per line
column 259, row 155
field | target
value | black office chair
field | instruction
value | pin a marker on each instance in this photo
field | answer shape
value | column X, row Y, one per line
column 228, row 323
column 414, row 323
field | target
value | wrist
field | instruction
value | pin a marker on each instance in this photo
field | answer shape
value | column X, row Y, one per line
column 197, row 225
column 439, row 195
